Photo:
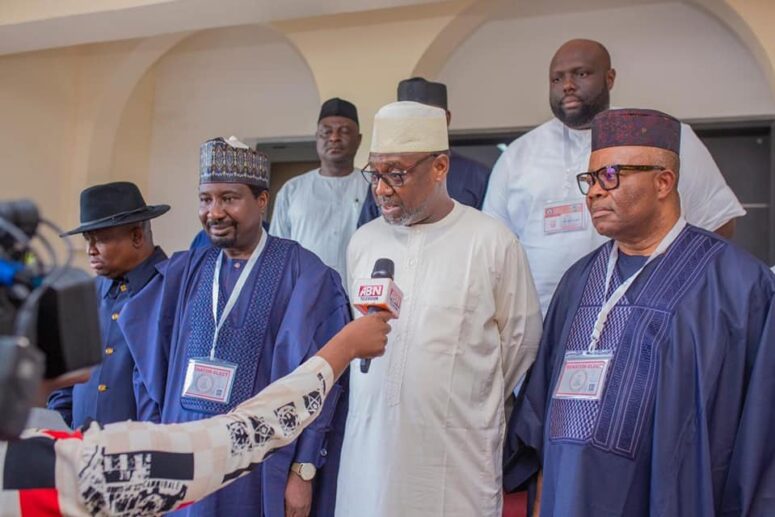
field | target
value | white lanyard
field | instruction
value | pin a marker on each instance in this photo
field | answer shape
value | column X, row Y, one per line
column 571, row 165
column 566, row 145
column 567, row 161
column 608, row 306
column 235, row 293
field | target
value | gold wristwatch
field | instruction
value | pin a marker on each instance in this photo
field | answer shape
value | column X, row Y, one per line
column 306, row 471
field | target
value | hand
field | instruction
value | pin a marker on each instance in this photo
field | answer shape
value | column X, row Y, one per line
column 298, row 496
column 367, row 336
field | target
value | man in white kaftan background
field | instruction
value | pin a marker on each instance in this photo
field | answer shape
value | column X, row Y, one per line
column 319, row 209
column 533, row 184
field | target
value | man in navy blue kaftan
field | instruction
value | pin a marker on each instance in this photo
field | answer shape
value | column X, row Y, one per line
column 196, row 363
column 653, row 389
column 115, row 223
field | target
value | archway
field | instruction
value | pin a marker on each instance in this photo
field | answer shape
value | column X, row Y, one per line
column 248, row 81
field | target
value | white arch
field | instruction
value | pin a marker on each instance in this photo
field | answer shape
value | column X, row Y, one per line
column 249, row 81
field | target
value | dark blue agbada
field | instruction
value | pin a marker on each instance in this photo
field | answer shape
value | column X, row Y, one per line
column 686, row 422
column 111, row 393
column 291, row 306
column 466, row 183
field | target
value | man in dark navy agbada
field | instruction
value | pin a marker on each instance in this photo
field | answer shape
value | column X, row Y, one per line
column 652, row 390
column 220, row 323
column 115, row 223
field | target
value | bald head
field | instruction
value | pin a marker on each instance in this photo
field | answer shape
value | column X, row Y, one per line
column 580, row 79
column 587, row 49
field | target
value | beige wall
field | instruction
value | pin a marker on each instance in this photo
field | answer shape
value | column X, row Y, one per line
column 55, row 125
column 38, row 96
column 131, row 154
column 672, row 57
column 752, row 21
column 37, row 102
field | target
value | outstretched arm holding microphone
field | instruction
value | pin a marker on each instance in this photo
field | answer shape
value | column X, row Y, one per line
column 356, row 340
column 139, row 468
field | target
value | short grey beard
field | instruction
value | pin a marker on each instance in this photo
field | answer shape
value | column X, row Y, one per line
column 406, row 218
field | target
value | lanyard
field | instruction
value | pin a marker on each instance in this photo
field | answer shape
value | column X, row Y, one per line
column 566, row 145
column 235, row 293
column 617, row 295
column 571, row 165
column 567, row 161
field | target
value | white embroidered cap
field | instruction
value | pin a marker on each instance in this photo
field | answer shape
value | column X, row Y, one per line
column 409, row 127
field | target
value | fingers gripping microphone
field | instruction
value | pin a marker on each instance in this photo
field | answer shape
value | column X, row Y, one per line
column 378, row 293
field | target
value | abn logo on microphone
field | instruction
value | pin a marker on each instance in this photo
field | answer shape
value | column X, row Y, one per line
column 377, row 293
column 371, row 292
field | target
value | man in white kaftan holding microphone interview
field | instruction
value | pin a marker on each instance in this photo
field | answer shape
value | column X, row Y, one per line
column 424, row 433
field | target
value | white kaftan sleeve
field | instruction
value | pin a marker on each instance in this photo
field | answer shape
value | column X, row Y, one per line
column 280, row 224
column 706, row 199
column 496, row 199
column 518, row 315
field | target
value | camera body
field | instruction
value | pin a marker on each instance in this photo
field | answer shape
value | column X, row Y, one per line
column 48, row 317
column 21, row 369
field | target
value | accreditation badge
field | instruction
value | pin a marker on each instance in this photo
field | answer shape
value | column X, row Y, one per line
column 565, row 216
column 583, row 375
column 209, row 379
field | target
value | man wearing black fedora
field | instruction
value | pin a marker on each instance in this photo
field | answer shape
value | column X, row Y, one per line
column 115, row 223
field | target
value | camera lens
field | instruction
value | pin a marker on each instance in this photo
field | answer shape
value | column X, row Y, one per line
column 22, row 213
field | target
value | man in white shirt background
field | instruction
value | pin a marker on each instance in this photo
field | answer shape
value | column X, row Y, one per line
column 425, row 427
column 532, row 187
column 319, row 209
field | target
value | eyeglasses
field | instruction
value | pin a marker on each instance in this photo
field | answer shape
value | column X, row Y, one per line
column 394, row 177
column 608, row 176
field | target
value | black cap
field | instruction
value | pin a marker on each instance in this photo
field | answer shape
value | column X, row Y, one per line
column 639, row 127
column 419, row 90
column 114, row 204
column 337, row 107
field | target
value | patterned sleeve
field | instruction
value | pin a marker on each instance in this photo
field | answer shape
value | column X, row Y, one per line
column 137, row 468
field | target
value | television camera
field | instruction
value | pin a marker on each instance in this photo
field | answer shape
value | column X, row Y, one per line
column 48, row 313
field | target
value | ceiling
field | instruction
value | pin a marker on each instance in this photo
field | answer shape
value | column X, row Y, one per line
column 35, row 25
column 26, row 25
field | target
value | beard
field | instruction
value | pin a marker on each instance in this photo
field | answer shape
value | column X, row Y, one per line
column 582, row 117
column 405, row 217
column 222, row 241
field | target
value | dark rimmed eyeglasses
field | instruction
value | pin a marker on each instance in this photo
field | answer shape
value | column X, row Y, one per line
column 608, row 176
column 394, row 177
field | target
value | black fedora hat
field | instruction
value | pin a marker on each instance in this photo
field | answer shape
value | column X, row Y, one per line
column 114, row 204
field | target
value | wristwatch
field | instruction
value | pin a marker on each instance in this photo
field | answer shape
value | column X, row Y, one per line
column 306, row 471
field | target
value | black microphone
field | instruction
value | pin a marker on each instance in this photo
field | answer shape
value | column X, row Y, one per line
column 383, row 268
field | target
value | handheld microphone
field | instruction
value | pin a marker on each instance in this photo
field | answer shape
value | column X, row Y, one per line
column 378, row 293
